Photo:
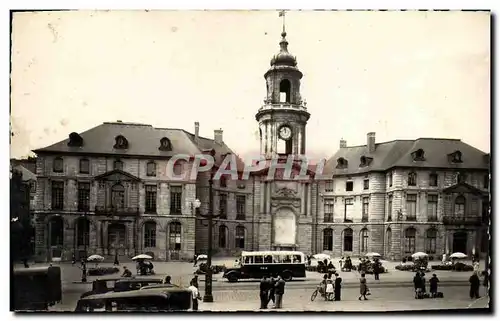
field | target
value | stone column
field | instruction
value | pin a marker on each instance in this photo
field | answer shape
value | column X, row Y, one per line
column 268, row 198
column 303, row 200
column 262, row 197
column 104, row 227
column 309, row 197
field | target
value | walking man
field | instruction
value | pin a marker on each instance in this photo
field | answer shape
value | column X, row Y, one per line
column 195, row 295
column 474, row 286
column 264, row 292
column 280, row 291
column 272, row 290
column 433, row 285
column 338, row 286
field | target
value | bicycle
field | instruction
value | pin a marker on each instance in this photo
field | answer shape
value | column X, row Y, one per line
column 320, row 290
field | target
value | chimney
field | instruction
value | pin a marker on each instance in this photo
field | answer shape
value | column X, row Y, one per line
column 343, row 143
column 218, row 136
column 196, row 130
column 370, row 142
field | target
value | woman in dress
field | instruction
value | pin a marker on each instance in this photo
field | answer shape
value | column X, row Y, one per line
column 363, row 288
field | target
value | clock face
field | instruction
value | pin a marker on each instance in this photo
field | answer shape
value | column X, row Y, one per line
column 285, row 132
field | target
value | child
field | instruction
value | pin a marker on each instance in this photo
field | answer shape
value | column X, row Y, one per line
column 329, row 290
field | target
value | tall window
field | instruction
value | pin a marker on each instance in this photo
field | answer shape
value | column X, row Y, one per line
column 56, row 228
column 240, row 237
column 84, row 166
column 151, row 169
column 411, row 207
column 389, row 240
column 83, row 229
column 432, row 204
column 150, row 234
column 174, row 236
column 175, row 200
column 390, row 179
column 179, row 167
column 240, row 207
column 460, row 206
column 328, row 211
column 58, row 165
column 57, row 195
column 366, row 206
column 223, row 231
column 223, row 206
column 461, row 177
column 348, row 240
column 329, row 186
column 433, row 179
column 349, row 186
column 83, row 197
column 363, row 248
column 118, row 196
column 150, row 198
column 118, row 165
column 389, row 209
column 412, row 179
column 328, row 239
column 366, row 184
column 410, row 234
column 347, row 209
column 430, row 241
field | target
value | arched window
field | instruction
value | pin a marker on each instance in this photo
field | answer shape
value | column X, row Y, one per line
column 412, row 179
column 151, row 169
column 363, row 238
column 150, row 234
column 174, row 236
column 348, row 240
column 57, row 166
column 84, row 166
column 285, row 91
column 240, row 237
column 342, row 163
column 118, row 196
column 388, row 236
column 223, row 231
column 56, row 231
column 430, row 241
column 120, row 142
column 118, row 165
column 82, row 230
column 410, row 234
column 165, row 144
column 460, row 206
column 328, row 239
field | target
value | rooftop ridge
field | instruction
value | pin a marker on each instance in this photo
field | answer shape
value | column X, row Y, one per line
column 407, row 140
column 126, row 124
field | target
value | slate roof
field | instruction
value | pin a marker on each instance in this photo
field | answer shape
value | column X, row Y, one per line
column 27, row 175
column 398, row 153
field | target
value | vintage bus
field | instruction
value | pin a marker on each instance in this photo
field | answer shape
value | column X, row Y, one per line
column 254, row 265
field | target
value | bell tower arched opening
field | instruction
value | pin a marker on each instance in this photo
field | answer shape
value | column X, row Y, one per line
column 285, row 91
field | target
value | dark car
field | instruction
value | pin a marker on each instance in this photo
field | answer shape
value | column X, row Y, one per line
column 36, row 288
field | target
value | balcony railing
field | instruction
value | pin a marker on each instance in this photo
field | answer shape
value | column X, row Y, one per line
column 114, row 210
column 462, row 220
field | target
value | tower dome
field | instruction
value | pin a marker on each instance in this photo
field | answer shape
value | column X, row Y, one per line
column 284, row 58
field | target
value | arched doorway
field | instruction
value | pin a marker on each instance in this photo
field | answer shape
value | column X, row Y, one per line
column 82, row 238
column 285, row 228
column 56, row 237
column 460, row 242
column 117, row 242
column 347, row 240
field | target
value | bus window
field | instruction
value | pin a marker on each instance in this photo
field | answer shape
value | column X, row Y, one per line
column 268, row 259
column 296, row 259
column 287, row 259
column 248, row 259
column 277, row 259
column 258, row 259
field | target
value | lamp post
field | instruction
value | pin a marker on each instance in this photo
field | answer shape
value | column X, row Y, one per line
column 86, row 238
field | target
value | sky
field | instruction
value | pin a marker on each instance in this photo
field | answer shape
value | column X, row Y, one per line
column 403, row 75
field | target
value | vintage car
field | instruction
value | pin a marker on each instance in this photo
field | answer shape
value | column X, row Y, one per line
column 36, row 288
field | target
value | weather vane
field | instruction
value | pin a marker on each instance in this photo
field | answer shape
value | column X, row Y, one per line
column 282, row 14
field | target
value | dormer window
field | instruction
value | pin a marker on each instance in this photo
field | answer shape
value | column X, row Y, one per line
column 165, row 144
column 120, row 142
column 118, row 165
column 455, row 157
column 151, row 169
column 75, row 140
column 418, row 155
column 365, row 161
column 342, row 163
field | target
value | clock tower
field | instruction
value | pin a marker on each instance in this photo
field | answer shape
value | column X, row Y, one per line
column 283, row 117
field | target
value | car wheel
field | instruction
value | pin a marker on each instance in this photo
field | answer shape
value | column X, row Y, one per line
column 232, row 278
column 287, row 276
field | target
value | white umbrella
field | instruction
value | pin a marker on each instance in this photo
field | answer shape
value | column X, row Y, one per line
column 95, row 258
column 321, row 256
column 202, row 257
column 419, row 254
column 142, row 257
column 458, row 255
column 372, row 254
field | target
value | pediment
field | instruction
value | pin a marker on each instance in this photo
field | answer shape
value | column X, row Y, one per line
column 463, row 188
column 117, row 176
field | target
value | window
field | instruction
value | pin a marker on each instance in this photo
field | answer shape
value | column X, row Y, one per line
column 223, row 206
column 348, row 240
column 175, row 200
column 411, row 207
column 390, row 179
column 410, row 234
column 366, row 206
column 461, row 177
column 56, row 234
column 118, row 165
column 179, row 167
column 460, row 206
column 328, row 239
column 120, row 142
column 389, row 240
column 223, row 181
column 363, row 248
column 347, row 209
column 174, row 236
column 165, row 144
column 366, row 184
column 342, row 163
column 223, row 236
column 83, row 197
column 486, row 181
column 240, row 207
column 285, row 89
column 457, row 157
column 150, row 198
column 82, row 229
column 430, row 241
column 240, row 237
column 432, row 203
column 412, row 179
column 418, row 155
column 389, row 209
column 433, row 179
column 349, row 186
column 84, row 166
column 329, row 186
column 150, row 234
column 57, row 166
column 57, row 195
column 151, row 169
column 328, row 206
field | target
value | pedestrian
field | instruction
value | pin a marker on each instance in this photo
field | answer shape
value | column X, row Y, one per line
column 126, row 272
column 329, row 290
column 474, row 286
column 195, row 259
column 433, row 285
column 422, row 282
column 195, row 295
column 280, row 291
column 476, row 266
column 264, row 292
column 363, row 288
column 116, row 263
column 195, row 281
column 376, row 269
column 341, row 267
column 272, row 290
column 167, row 280
column 308, row 260
column 338, row 286
column 73, row 259
column 25, row 263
